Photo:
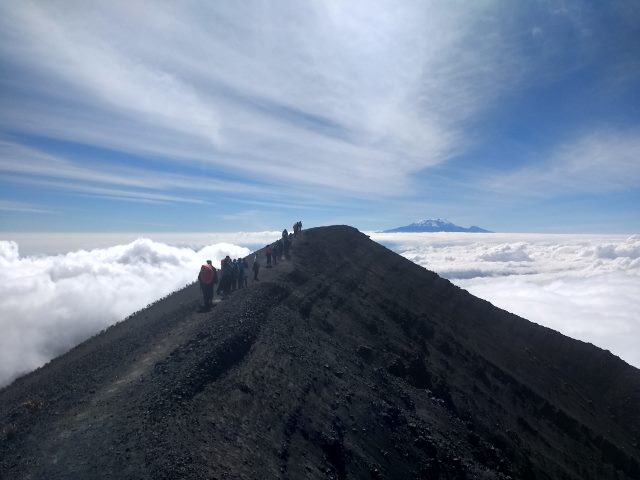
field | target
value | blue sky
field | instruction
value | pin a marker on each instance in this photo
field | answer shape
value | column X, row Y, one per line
column 227, row 116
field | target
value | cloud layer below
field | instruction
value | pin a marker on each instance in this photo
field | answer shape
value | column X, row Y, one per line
column 48, row 304
column 584, row 286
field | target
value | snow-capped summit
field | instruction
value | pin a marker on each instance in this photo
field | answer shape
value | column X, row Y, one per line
column 438, row 222
column 436, row 225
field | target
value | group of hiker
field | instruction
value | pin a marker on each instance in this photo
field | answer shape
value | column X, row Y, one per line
column 233, row 273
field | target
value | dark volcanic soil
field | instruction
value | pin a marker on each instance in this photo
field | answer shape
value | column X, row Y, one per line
column 347, row 361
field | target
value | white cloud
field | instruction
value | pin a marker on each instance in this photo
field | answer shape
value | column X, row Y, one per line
column 507, row 253
column 50, row 303
column 25, row 207
column 38, row 244
column 601, row 161
column 97, row 66
column 327, row 95
column 54, row 171
column 585, row 286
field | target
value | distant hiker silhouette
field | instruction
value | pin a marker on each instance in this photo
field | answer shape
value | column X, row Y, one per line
column 245, row 272
column 274, row 255
column 206, row 277
column 256, row 268
column 234, row 274
column 221, row 277
column 297, row 228
column 241, row 272
column 227, row 276
column 215, row 278
column 269, row 252
column 286, row 245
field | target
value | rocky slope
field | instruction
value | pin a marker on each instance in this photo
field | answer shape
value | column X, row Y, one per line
column 346, row 361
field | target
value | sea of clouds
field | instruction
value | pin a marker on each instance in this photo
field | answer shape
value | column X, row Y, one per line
column 584, row 286
column 51, row 302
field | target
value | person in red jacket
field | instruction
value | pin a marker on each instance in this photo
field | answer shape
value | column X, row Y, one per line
column 206, row 277
column 215, row 279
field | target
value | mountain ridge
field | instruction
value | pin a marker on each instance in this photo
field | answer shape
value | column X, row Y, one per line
column 436, row 225
column 346, row 361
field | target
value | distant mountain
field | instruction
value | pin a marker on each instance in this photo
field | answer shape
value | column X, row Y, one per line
column 437, row 225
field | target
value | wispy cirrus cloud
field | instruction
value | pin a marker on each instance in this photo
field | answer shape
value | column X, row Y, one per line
column 30, row 166
column 322, row 103
column 344, row 97
column 602, row 161
column 23, row 207
column 95, row 67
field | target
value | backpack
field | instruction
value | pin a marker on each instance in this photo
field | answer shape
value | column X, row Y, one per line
column 206, row 274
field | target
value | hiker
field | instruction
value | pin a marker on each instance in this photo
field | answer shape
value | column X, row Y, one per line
column 285, row 234
column 286, row 243
column 275, row 254
column 205, row 277
column 226, row 275
column 215, row 278
column 269, row 252
column 245, row 270
column 234, row 274
column 241, row 273
column 256, row 268
column 221, row 278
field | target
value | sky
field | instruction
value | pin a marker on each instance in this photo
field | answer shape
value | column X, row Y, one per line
column 57, row 290
column 129, row 116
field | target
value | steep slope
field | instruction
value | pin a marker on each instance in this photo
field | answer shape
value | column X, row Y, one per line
column 347, row 361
